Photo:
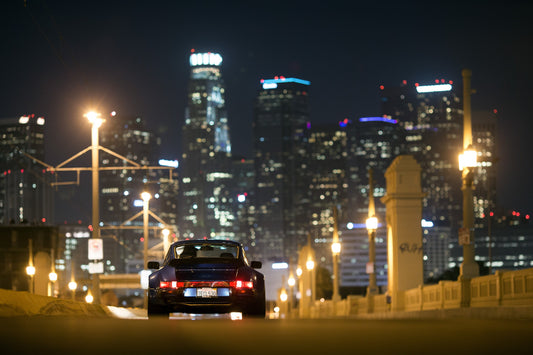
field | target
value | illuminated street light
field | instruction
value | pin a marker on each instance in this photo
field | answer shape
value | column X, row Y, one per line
column 72, row 286
column 283, row 296
column 96, row 121
column 291, row 281
column 30, row 269
column 299, row 271
column 52, row 276
column 310, row 264
column 468, row 159
column 146, row 203
column 89, row 297
column 371, row 226
column 335, row 250
column 467, row 162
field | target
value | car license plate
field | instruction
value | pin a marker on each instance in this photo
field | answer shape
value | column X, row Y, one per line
column 206, row 292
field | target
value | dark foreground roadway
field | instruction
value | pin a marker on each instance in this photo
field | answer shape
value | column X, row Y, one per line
column 56, row 335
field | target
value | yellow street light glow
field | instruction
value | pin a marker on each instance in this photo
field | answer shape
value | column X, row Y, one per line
column 30, row 270
column 165, row 232
column 72, row 285
column 299, row 271
column 372, row 223
column 283, row 296
column 94, row 118
column 336, row 248
column 146, row 196
column 468, row 159
column 310, row 264
column 89, row 298
column 52, row 276
column 291, row 281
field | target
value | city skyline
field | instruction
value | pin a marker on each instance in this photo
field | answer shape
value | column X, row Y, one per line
column 62, row 59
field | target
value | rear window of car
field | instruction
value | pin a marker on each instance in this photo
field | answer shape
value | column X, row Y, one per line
column 206, row 250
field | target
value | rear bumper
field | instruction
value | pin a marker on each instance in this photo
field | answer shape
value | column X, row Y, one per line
column 176, row 301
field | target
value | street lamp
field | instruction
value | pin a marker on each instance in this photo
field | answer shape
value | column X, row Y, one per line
column 89, row 297
column 371, row 226
column 72, row 285
column 467, row 162
column 30, row 269
column 96, row 120
column 335, row 250
column 291, row 282
column 310, row 265
column 52, row 276
column 146, row 202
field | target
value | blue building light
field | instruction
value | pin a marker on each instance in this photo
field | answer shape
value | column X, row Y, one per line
column 378, row 119
column 273, row 83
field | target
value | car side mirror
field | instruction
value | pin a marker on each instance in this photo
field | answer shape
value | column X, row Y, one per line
column 257, row 264
column 153, row 265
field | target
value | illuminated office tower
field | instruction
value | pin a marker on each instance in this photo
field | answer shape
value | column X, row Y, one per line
column 206, row 203
column 432, row 118
column 485, row 142
column 328, row 186
column 25, row 192
column 280, row 133
column 433, row 121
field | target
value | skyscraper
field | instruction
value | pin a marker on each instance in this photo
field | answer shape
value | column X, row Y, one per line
column 328, row 184
column 280, row 131
column 485, row 143
column 432, row 118
column 25, row 192
column 205, row 203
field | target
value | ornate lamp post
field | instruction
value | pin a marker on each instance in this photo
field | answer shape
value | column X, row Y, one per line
column 371, row 226
column 146, row 203
column 30, row 269
column 335, row 250
column 52, row 276
column 96, row 121
column 467, row 162
column 291, row 282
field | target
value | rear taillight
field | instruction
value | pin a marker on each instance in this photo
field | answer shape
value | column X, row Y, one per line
column 242, row 284
column 171, row 284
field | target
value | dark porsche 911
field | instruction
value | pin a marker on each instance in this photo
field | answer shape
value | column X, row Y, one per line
column 206, row 276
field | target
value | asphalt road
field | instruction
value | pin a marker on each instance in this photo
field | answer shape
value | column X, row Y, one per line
column 58, row 335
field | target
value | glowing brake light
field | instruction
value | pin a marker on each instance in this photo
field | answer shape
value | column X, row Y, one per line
column 242, row 284
column 171, row 284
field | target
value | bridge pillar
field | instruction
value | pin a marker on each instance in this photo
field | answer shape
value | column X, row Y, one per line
column 403, row 202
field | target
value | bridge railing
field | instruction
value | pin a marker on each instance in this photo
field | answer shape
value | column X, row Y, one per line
column 504, row 288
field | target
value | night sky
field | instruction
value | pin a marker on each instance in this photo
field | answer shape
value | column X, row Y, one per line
column 61, row 58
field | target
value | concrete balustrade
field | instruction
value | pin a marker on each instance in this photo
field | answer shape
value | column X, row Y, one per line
column 501, row 290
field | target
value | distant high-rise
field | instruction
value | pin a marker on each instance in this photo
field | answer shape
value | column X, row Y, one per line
column 280, row 131
column 432, row 118
column 485, row 143
column 205, row 203
column 328, row 184
column 25, row 192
